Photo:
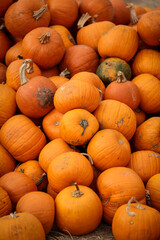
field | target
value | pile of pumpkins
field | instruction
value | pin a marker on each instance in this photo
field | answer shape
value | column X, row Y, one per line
column 79, row 118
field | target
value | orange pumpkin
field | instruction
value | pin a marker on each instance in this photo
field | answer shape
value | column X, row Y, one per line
column 149, row 88
column 152, row 188
column 58, row 80
column 109, row 148
column 116, row 186
column 147, row 135
column 25, row 15
column 3, row 69
column 27, row 222
column 67, row 168
column 41, row 205
column 79, row 58
column 116, row 115
column 4, row 5
column 140, row 116
column 50, row 124
column 121, row 12
column 146, row 61
column 54, row 71
column 8, row 103
column 51, row 192
column 125, row 48
column 12, row 73
column 148, row 27
column 6, row 43
column 145, row 163
column 44, row 46
column 22, row 138
column 5, row 203
column 51, row 150
column 7, row 162
column 78, row 126
column 137, row 221
column 82, row 204
column 124, row 91
column 14, row 53
column 76, row 94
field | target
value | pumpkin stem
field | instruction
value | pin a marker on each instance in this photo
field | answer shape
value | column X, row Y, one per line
column 132, row 214
column 94, row 18
column 65, row 73
column 2, row 26
column 41, row 179
column 44, row 38
column 37, row 14
column 83, row 19
column 84, row 124
column 121, row 77
column 133, row 15
column 12, row 215
column 56, row 123
column 77, row 192
column 147, row 193
column 89, row 157
column 71, row 39
column 28, row 67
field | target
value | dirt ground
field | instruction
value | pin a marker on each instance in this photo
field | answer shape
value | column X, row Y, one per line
column 104, row 231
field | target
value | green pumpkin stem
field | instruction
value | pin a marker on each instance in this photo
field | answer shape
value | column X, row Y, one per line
column 77, row 192
column 37, row 14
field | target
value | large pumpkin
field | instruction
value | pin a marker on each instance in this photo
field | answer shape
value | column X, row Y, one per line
column 81, row 206
column 116, row 115
column 116, row 186
column 22, row 138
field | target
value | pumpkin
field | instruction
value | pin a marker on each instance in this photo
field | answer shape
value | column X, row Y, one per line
column 121, row 12
column 116, row 186
column 7, row 162
column 109, row 148
column 116, row 115
column 14, row 53
column 147, row 135
column 50, row 124
column 35, row 96
column 6, row 42
column 4, row 5
column 102, row 9
column 145, row 163
column 54, row 71
column 152, row 188
column 76, row 94
column 21, row 226
column 17, row 184
column 44, row 46
column 125, row 48
column 92, row 78
column 79, row 58
column 81, row 205
column 136, row 221
column 25, row 15
column 8, row 105
column 78, row 126
column 67, row 168
column 65, row 34
column 3, row 69
column 108, row 68
column 22, row 138
column 5, row 203
column 32, row 169
column 124, row 91
column 140, row 116
column 51, row 192
column 51, row 150
column 149, row 88
column 133, row 16
column 89, row 35
column 146, row 61
column 139, row 10
column 41, row 205
column 58, row 80
column 63, row 13
column 12, row 73
column 148, row 27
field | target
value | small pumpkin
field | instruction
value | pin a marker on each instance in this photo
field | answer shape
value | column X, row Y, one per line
column 140, row 116
column 124, row 91
column 41, row 205
column 152, row 189
column 80, row 203
column 3, row 69
column 26, row 223
column 14, row 53
column 121, row 12
column 85, row 126
column 54, row 71
column 136, row 221
column 67, row 168
column 6, row 42
column 58, row 80
column 5, row 203
column 147, row 135
column 108, row 68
